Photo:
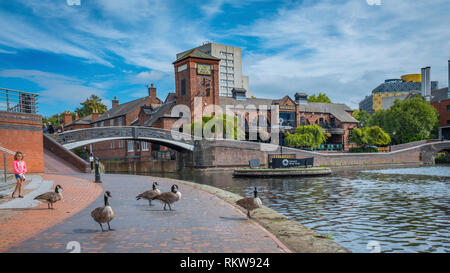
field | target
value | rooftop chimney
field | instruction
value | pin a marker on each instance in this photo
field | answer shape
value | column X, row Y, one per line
column 67, row 117
column 95, row 115
column 152, row 94
column 301, row 98
column 76, row 116
column 115, row 102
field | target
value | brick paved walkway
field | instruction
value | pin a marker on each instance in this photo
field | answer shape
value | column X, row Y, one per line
column 201, row 222
column 20, row 224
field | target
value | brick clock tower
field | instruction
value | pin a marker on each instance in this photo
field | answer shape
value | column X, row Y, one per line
column 197, row 75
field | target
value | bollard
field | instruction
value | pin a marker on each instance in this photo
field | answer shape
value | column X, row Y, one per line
column 97, row 171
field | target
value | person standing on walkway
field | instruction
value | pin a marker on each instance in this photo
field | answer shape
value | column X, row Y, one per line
column 20, row 168
column 45, row 129
column 51, row 129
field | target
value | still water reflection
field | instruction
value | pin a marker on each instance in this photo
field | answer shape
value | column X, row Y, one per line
column 405, row 210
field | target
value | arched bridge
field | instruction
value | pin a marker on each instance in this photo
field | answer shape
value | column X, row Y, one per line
column 77, row 138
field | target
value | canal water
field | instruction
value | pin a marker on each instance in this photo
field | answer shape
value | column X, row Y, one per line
column 401, row 210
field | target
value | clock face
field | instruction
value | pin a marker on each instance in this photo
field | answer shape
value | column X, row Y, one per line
column 204, row 69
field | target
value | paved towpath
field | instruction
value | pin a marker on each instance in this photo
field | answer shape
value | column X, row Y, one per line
column 20, row 219
column 201, row 222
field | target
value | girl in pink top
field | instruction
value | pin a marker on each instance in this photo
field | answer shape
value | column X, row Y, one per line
column 20, row 168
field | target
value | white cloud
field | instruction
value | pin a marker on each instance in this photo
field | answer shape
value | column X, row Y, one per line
column 58, row 90
column 4, row 51
column 147, row 76
column 346, row 48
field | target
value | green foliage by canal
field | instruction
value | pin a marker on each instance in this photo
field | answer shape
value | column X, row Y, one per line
column 407, row 121
column 369, row 136
column 220, row 125
column 306, row 136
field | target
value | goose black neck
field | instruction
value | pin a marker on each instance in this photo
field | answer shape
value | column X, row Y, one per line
column 106, row 201
column 154, row 187
column 255, row 193
column 57, row 190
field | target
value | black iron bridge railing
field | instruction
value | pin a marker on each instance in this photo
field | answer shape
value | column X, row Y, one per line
column 18, row 101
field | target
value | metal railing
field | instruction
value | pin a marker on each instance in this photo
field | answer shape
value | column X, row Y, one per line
column 5, row 151
column 18, row 101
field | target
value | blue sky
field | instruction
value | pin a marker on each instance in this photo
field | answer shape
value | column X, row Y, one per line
column 115, row 47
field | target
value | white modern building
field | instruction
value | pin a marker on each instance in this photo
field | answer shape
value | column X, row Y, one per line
column 230, row 69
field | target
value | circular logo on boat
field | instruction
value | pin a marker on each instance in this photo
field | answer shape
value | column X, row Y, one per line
column 285, row 162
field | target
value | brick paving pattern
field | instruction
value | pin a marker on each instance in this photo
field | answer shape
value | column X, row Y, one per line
column 201, row 222
column 25, row 223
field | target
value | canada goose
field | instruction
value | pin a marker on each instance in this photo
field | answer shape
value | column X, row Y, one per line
column 104, row 214
column 51, row 197
column 169, row 197
column 250, row 203
column 150, row 195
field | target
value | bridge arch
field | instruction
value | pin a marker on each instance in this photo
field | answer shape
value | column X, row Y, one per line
column 77, row 138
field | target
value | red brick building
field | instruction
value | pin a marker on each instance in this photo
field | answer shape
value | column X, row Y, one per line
column 126, row 114
column 440, row 99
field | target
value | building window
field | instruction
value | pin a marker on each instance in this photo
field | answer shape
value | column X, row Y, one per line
column 223, row 53
column 448, row 122
column 448, row 108
column 120, row 143
column 119, row 121
column 183, row 87
column 230, row 75
column 138, row 146
column 302, row 121
column 95, row 124
column 223, row 67
column 111, row 122
column 230, row 61
column 144, row 146
column 130, row 144
column 112, row 144
column 223, row 74
column 230, row 68
column 230, row 55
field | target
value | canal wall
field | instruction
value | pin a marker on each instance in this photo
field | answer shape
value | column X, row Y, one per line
column 223, row 154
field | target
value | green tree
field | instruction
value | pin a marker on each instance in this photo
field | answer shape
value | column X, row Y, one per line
column 55, row 119
column 406, row 121
column 89, row 105
column 362, row 116
column 226, row 121
column 322, row 97
column 367, row 136
column 306, row 136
